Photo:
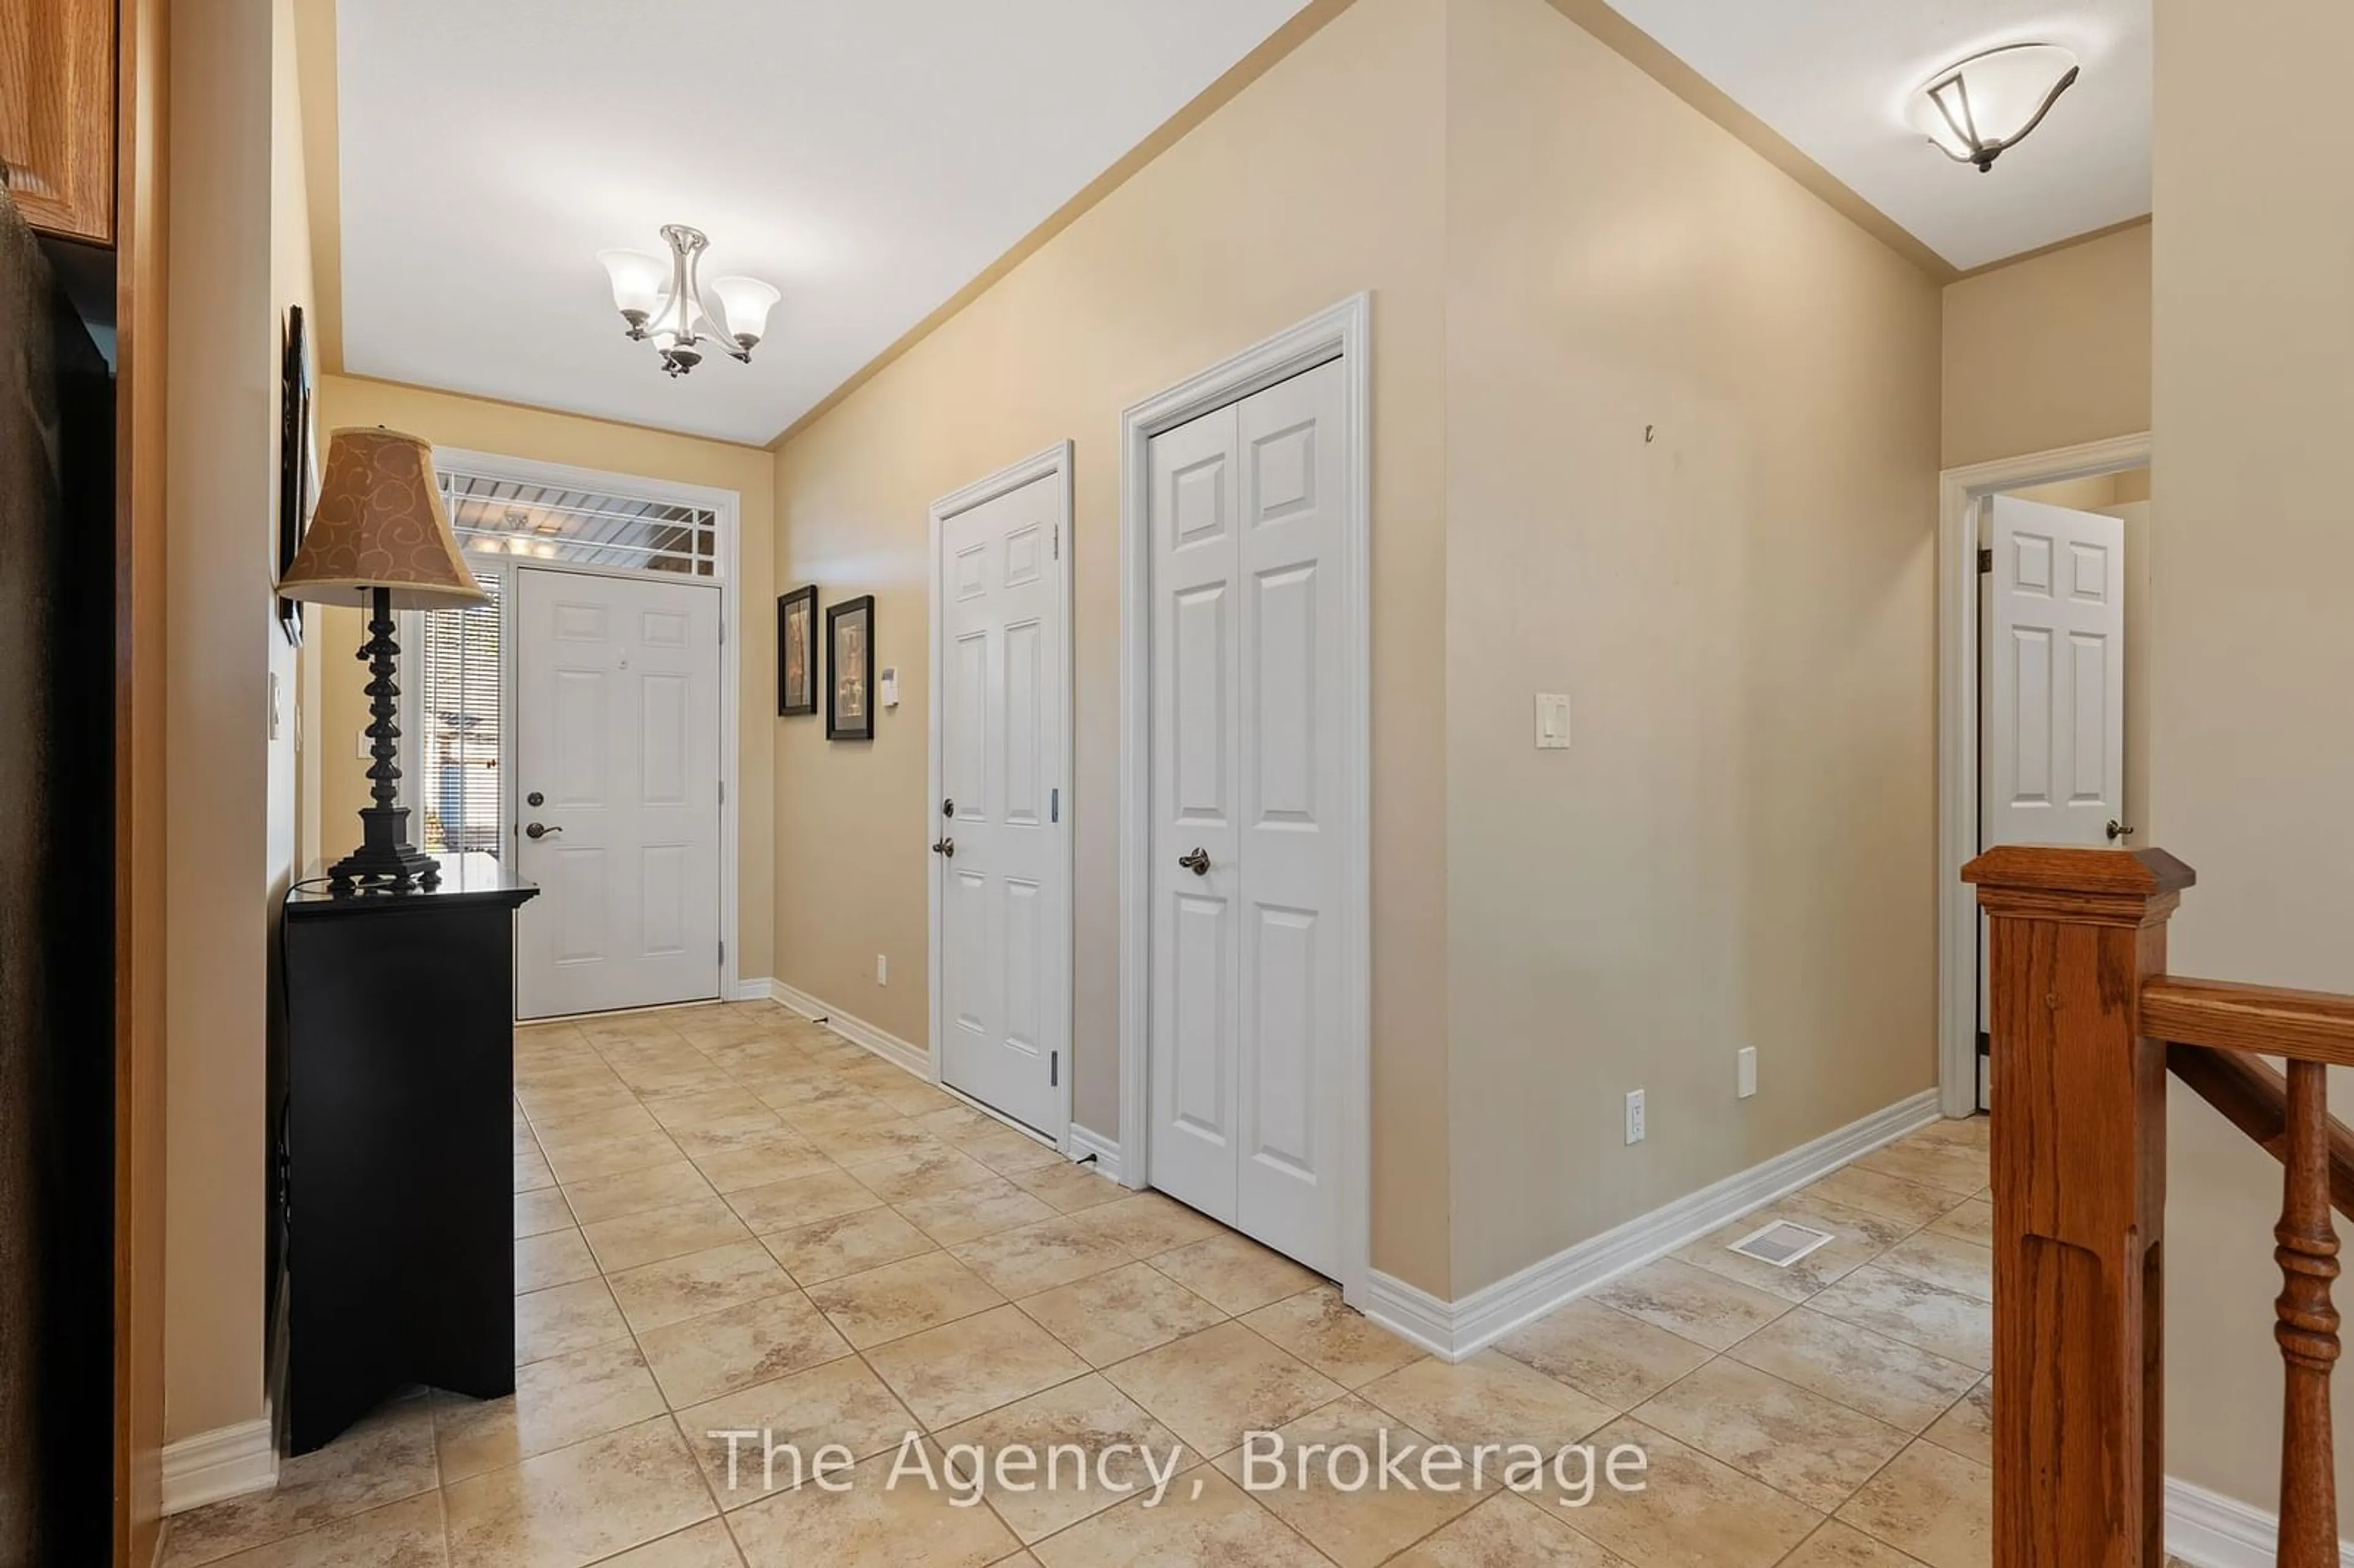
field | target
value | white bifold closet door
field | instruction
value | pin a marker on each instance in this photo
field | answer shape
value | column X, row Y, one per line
column 1248, row 871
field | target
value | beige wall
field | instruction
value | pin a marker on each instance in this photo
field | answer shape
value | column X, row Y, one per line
column 1691, row 457
column 238, row 255
column 2252, row 756
column 453, row 420
column 1320, row 179
column 1614, row 917
column 2048, row 352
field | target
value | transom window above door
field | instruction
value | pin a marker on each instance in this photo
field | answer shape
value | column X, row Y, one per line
column 542, row 522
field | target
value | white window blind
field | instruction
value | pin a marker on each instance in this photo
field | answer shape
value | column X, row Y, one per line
column 460, row 701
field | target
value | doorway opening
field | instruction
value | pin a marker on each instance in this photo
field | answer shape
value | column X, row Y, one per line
column 1245, row 1059
column 600, row 668
column 2044, row 690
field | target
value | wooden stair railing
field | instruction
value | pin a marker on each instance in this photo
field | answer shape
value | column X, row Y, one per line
column 2085, row 1026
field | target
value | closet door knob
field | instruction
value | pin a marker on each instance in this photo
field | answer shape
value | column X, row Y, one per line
column 1198, row 862
column 946, row 847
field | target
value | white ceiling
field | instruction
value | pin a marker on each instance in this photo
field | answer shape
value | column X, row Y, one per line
column 1831, row 76
column 868, row 157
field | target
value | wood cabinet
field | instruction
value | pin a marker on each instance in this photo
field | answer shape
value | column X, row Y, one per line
column 57, row 114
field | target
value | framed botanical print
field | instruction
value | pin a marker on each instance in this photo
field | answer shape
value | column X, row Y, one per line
column 850, row 669
column 797, row 651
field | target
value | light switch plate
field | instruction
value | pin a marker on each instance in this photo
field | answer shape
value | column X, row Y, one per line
column 890, row 688
column 1553, row 721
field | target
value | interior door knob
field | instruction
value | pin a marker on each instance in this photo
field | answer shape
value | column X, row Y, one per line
column 536, row 830
column 946, row 847
column 1198, row 862
column 2118, row 830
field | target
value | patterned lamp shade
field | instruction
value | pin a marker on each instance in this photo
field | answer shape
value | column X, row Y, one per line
column 379, row 524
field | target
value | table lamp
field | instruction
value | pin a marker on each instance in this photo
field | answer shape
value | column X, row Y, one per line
column 378, row 537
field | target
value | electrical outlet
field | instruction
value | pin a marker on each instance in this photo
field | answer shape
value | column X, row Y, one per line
column 1634, row 1115
column 1744, row 1072
column 882, row 970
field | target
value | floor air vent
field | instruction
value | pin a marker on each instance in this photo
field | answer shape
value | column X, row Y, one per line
column 1780, row 1244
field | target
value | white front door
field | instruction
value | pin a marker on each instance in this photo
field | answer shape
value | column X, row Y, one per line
column 1004, row 961
column 617, row 763
column 1249, row 656
column 2051, row 703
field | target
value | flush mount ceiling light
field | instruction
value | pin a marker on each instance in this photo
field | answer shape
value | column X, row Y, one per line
column 1980, row 109
column 663, row 302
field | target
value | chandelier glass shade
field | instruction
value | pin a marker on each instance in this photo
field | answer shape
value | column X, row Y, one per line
column 663, row 302
column 1980, row 109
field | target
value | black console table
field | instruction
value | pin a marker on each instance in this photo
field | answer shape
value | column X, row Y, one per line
column 398, row 1144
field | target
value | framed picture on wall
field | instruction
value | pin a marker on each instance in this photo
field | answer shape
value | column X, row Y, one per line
column 298, row 462
column 850, row 669
column 797, row 651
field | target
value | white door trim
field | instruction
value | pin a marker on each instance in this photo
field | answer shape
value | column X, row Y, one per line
column 1342, row 332
column 727, row 505
column 1958, row 492
column 1054, row 463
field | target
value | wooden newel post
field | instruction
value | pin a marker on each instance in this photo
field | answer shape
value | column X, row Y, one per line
column 2079, row 1168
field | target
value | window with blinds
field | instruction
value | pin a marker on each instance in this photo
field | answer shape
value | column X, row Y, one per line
column 460, row 701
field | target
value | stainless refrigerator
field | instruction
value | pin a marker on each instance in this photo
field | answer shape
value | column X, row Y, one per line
column 57, row 988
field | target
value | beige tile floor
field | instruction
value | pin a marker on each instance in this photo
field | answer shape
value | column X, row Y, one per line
column 729, row 1217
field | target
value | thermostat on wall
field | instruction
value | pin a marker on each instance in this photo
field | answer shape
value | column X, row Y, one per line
column 891, row 688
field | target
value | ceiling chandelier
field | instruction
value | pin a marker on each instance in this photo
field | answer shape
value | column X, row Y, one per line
column 1980, row 109
column 663, row 302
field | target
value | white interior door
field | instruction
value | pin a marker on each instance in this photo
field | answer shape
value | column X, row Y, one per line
column 1248, row 870
column 1004, row 959
column 617, row 749
column 2051, row 707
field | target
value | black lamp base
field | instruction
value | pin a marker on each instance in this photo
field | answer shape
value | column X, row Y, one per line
column 386, row 859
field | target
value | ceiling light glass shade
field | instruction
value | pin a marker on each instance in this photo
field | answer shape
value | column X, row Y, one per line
column 638, row 280
column 1978, row 109
column 663, row 302
column 747, row 302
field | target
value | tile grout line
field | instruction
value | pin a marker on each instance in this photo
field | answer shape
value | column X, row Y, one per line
column 665, row 1039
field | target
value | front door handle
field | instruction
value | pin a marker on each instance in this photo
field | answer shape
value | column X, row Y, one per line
column 534, row 831
column 946, row 847
column 1198, row 862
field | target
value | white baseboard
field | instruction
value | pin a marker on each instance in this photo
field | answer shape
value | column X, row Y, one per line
column 857, row 1031
column 2208, row 1529
column 1104, row 1149
column 226, row 1462
column 760, row 989
column 1459, row 1329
